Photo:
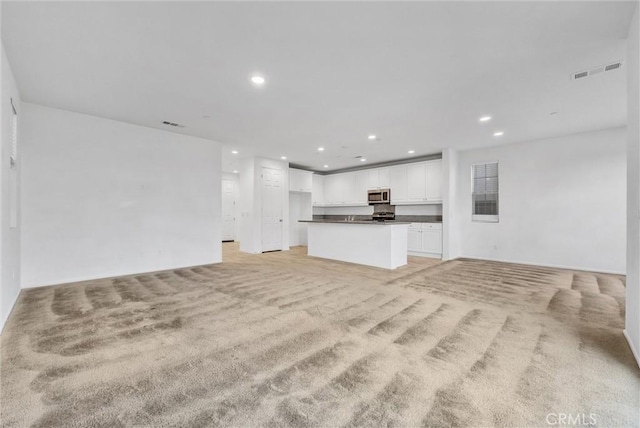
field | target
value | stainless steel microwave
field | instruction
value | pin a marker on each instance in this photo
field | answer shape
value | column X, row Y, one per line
column 379, row 196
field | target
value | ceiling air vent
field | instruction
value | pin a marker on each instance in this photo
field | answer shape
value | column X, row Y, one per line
column 596, row 70
column 177, row 125
column 614, row 66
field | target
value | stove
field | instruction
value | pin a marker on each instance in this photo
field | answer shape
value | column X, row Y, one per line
column 383, row 215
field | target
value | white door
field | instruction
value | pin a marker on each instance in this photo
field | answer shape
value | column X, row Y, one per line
column 228, row 210
column 271, row 209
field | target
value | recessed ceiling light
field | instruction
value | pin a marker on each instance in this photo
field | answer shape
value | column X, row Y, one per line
column 235, row 152
column 257, row 80
column 235, row 171
column 372, row 137
column 498, row 133
column 411, row 152
column 485, row 119
column 321, row 149
column 363, row 160
column 326, row 166
column 283, row 157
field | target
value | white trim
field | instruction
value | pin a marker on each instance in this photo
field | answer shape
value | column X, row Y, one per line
column 120, row 275
column 634, row 351
column 422, row 254
column 485, row 218
column 580, row 268
column 4, row 321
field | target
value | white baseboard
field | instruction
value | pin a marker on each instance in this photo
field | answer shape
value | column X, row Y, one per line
column 580, row 268
column 633, row 349
column 13, row 305
column 99, row 276
column 421, row 254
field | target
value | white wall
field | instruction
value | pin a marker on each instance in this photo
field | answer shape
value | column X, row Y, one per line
column 9, row 237
column 632, row 325
column 450, row 217
column 562, row 202
column 103, row 198
column 250, row 201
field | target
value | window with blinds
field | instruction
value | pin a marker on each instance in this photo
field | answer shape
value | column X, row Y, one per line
column 485, row 193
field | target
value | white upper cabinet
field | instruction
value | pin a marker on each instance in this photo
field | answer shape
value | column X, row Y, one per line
column 317, row 189
column 347, row 182
column 398, row 183
column 417, row 183
column 379, row 178
column 362, row 185
column 410, row 184
column 299, row 180
column 331, row 190
column 434, row 180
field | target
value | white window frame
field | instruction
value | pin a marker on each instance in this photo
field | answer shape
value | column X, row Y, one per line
column 484, row 218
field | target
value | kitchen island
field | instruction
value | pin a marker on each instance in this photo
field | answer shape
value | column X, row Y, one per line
column 373, row 243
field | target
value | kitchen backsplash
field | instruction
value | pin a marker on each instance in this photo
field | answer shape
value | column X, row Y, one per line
column 407, row 218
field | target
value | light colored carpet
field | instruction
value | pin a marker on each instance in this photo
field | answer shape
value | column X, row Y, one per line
column 282, row 339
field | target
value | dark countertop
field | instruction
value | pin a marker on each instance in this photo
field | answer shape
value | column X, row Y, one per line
column 399, row 218
column 378, row 223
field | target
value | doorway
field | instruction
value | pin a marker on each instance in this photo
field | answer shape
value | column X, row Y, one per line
column 228, row 210
column 271, row 209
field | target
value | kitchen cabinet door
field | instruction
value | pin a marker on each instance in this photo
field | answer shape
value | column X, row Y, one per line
column 414, row 239
column 398, row 184
column 416, row 179
column 347, row 183
column 329, row 184
column 299, row 180
column 362, row 185
column 383, row 178
column 379, row 178
column 432, row 241
column 317, row 189
column 433, row 184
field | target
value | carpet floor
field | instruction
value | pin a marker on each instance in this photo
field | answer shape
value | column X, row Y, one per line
column 282, row 339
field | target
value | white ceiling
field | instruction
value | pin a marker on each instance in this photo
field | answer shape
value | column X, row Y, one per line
column 418, row 75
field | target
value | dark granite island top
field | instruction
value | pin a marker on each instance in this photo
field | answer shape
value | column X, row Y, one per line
column 372, row 222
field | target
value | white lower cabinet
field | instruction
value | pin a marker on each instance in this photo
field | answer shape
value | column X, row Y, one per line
column 425, row 240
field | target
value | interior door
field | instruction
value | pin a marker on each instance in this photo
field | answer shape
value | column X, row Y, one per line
column 228, row 210
column 271, row 209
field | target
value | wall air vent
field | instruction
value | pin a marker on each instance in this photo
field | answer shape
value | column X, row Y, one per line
column 596, row 70
column 177, row 125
